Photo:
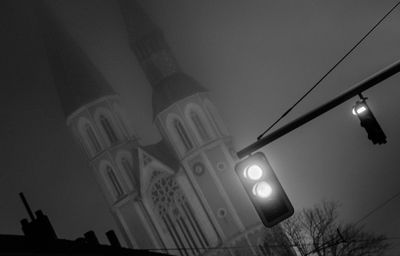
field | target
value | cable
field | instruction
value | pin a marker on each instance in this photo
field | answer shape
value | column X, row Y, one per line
column 255, row 246
column 383, row 239
column 334, row 243
column 329, row 71
column 381, row 205
column 217, row 248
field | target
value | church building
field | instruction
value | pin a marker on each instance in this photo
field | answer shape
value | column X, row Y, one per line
column 181, row 195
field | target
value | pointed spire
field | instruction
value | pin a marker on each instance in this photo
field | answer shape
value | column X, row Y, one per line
column 147, row 41
column 77, row 80
column 138, row 23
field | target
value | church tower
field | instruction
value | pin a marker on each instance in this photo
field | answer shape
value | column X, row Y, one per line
column 100, row 125
column 189, row 122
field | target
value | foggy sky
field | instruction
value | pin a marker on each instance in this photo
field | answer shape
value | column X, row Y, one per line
column 256, row 57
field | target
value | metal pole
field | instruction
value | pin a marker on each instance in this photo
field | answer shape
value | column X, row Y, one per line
column 353, row 91
column 28, row 209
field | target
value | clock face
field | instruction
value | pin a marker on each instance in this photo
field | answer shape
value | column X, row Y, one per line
column 198, row 169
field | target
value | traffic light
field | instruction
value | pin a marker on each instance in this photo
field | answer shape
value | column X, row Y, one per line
column 369, row 122
column 264, row 189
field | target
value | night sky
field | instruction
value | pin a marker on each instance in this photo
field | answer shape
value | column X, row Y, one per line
column 256, row 57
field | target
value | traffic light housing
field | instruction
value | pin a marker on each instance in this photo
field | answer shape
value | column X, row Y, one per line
column 264, row 189
column 369, row 122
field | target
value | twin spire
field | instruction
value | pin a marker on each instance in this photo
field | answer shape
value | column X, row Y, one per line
column 147, row 41
column 79, row 82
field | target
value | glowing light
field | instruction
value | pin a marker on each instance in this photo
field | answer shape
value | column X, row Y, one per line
column 359, row 110
column 262, row 189
column 253, row 172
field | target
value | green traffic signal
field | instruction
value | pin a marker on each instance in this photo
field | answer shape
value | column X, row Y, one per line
column 264, row 189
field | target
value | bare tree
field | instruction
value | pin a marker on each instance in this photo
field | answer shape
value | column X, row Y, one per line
column 316, row 231
column 275, row 243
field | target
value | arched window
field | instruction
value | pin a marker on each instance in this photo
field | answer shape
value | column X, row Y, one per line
column 95, row 145
column 176, row 216
column 88, row 136
column 199, row 126
column 114, row 182
column 179, row 136
column 199, row 123
column 215, row 118
column 183, row 136
column 108, row 129
column 124, row 162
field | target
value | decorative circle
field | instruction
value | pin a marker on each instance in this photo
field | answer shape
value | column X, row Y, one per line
column 221, row 166
column 198, row 169
column 221, row 212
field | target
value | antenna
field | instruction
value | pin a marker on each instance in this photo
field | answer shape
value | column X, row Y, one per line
column 27, row 207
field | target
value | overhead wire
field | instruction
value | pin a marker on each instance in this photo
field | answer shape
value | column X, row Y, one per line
column 378, row 207
column 329, row 71
column 255, row 246
column 375, row 209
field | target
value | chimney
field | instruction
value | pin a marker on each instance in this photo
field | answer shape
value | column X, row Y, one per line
column 113, row 239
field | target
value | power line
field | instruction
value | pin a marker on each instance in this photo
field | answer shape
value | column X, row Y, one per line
column 378, row 207
column 269, row 245
column 219, row 248
column 333, row 243
column 329, row 71
column 383, row 239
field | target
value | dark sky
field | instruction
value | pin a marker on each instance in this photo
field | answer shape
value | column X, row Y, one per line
column 256, row 57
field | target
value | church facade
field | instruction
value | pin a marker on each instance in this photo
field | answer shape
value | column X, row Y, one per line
column 180, row 195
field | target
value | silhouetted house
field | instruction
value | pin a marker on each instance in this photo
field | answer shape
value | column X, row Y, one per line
column 22, row 245
column 40, row 238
